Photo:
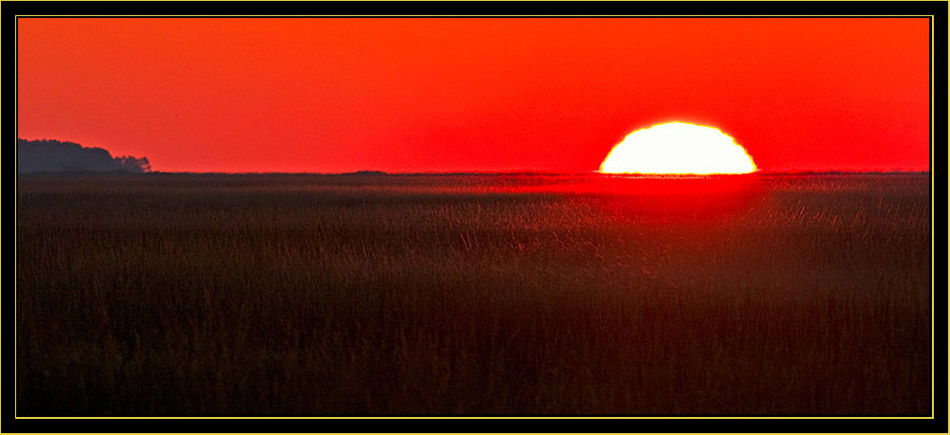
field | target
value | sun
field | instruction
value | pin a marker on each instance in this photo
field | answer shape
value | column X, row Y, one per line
column 678, row 148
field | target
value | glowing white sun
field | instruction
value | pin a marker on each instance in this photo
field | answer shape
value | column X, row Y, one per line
column 678, row 148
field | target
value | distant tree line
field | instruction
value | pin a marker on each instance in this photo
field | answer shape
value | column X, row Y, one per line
column 49, row 155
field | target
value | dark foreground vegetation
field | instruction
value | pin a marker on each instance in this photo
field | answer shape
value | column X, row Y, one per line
column 278, row 294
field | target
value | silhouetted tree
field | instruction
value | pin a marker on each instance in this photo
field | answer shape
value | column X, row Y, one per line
column 133, row 164
column 49, row 155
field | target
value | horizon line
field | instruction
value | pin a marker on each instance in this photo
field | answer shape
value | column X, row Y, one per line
column 488, row 173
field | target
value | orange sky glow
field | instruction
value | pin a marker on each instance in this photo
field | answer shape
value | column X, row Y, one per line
column 473, row 94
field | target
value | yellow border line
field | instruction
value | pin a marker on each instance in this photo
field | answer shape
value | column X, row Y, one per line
column 932, row 370
column 932, row 245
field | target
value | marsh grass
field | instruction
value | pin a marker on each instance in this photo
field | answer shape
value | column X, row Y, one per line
column 301, row 295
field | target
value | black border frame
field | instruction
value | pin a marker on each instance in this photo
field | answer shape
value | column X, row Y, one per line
column 359, row 424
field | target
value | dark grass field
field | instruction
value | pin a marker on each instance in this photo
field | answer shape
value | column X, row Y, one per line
column 167, row 294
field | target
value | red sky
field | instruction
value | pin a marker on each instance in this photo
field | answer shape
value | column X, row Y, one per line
column 473, row 94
